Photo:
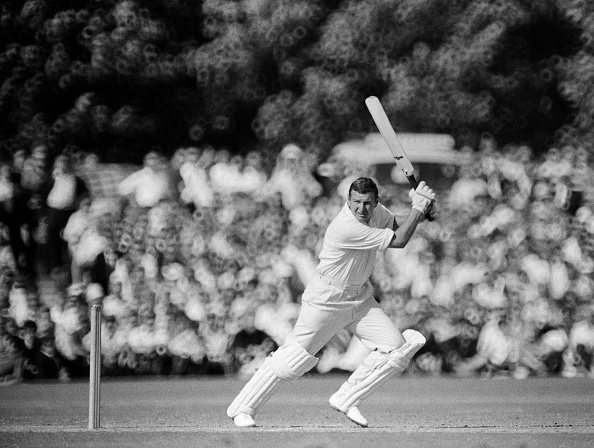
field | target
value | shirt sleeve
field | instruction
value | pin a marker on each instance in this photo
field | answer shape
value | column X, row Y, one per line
column 356, row 236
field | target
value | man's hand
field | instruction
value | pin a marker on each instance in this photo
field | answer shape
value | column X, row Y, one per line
column 433, row 211
column 422, row 197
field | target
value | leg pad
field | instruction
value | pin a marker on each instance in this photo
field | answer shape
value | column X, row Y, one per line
column 375, row 370
column 288, row 362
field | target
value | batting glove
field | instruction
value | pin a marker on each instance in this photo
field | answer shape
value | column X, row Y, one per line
column 421, row 197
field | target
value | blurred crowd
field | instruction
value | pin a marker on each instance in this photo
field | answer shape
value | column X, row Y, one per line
column 199, row 260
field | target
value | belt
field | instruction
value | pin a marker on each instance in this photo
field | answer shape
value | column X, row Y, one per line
column 339, row 285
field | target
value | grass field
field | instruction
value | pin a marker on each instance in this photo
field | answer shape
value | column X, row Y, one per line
column 406, row 412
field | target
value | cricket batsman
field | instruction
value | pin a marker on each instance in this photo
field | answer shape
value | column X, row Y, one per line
column 341, row 296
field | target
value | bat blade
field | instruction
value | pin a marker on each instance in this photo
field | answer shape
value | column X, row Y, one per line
column 387, row 132
column 394, row 145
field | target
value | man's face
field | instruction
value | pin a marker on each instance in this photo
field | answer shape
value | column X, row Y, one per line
column 193, row 158
column 362, row 205
column 91, row 161
column 28, row 336
column 60, row 165
column 151, row 161
column 19, row 159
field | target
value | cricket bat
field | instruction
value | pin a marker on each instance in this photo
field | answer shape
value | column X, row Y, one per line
column 394, row 145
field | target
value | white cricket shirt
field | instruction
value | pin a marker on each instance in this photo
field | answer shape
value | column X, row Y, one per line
column 350, row 247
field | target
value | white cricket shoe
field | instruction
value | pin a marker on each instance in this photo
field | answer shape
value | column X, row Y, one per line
column 353, row 414
column 244, row 420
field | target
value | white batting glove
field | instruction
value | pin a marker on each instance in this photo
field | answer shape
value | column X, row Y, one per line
column 421, row 197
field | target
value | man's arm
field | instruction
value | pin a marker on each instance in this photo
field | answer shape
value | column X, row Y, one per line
column 404, row 232
column 421, row 202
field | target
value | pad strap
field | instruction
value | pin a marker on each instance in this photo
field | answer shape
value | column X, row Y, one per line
column 292, row 361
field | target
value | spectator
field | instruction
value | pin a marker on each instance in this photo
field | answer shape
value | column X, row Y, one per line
column 78, row 223
column 65, row 191
column 94, row 256
column 28, row 334
column 113, row 303
column 19, row 308
column 140, row 287
column 49, row 362
column 249, row 346
column 6, row 283
column 35, row 186
column 254, row 176
column 216, row 341
column 12, row 214
column 580, row 353
column 103, row 180
column 241, row 177
column 148, row 186
column 41, row 358
column 186, row 346
column 293, row 179
column 7, row 259
column 45, row 325
column 126, row 358
column 19, row 159
column 142, row 340
column 9, row 325
column 548, row 347
column 71, row 324
column 221, row 173
column 11, row 359
column 195, row 190
column 459, row 346
column 493, row 349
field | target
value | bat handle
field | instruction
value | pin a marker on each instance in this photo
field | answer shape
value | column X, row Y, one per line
column 413, row 181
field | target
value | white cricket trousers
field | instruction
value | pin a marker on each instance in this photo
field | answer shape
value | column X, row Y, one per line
column 327, row 307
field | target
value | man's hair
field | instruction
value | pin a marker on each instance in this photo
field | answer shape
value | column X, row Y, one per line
column 364, row 185
column 30, row 325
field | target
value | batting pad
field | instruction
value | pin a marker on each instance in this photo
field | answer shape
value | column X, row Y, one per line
column 375, row 369
column 291, row 361
column 288, row 362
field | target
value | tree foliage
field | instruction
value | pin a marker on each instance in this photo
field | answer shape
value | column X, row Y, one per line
column 123, row 77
